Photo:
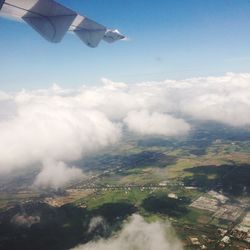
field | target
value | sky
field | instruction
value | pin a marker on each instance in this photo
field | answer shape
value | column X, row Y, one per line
column 167, row 39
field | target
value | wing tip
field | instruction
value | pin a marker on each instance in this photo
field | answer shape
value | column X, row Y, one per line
column 112, row 36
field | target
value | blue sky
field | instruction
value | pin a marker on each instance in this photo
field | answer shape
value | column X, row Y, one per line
column 169, row 39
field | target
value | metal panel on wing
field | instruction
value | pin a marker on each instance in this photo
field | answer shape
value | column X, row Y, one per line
column 48, row 18
column 90, row 32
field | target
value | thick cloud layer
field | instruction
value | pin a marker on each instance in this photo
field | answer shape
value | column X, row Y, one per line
column 143, row 123
column 64, row 125
column 46, row 125
column 138, row 235
column 222, row 99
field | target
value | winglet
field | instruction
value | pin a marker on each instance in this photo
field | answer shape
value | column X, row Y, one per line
column 112, row 36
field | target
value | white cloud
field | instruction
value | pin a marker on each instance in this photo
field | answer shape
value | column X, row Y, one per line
column 223, row 99
column 96, row 222
column 108, row 84
column 143, row 123
column 139, row 235
column 65, row 125
column 57, row 175
column 50, row 126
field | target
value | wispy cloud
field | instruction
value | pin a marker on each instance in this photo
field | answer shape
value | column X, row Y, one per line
column 56, row 175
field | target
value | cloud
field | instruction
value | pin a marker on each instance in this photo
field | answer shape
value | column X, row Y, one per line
column 57, row 175
column 66, row 124
column 95, row 223
column 144, row 123
column 108, row 84
column 222, row 99
column 51, row 126
column 24, row 220
column 138, row 234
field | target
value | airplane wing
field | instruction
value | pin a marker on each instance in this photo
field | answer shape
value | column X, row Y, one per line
column 52, row 21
